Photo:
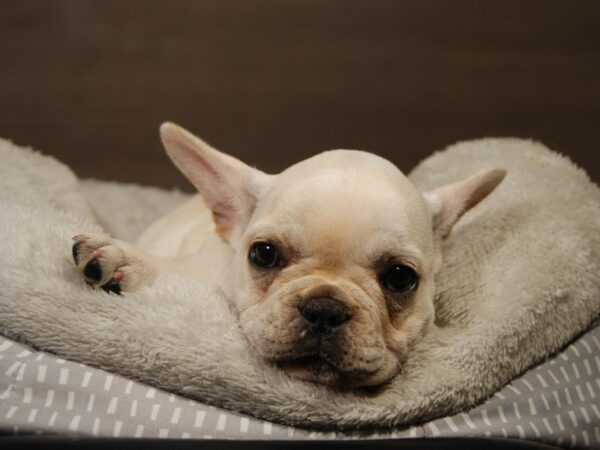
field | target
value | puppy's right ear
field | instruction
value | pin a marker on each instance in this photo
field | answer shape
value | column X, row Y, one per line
column 229, row 187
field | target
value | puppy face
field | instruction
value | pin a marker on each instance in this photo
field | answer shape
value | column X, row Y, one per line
column 335, row 257
column 334, row 270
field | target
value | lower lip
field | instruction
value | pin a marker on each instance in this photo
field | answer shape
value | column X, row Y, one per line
column 311, row 368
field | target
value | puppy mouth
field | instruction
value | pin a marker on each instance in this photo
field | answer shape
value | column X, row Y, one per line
column 317, row 368
column 311, row 368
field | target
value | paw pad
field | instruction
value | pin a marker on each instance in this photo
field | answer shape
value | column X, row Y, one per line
column 76, row 250
column 93, row 270
column 112, row 286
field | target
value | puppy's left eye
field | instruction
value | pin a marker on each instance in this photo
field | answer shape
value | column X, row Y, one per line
column 399, row 279
column 264, row 255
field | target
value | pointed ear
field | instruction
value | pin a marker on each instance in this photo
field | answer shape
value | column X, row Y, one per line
column 448, row 203
column 229, row 187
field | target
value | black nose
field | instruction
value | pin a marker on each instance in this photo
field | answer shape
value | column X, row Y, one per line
column 324, row 313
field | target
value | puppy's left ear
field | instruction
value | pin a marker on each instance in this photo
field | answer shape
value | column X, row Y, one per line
column 229, row 187
column 448, row 203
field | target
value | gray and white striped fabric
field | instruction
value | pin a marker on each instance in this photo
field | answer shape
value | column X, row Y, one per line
column 558, row 402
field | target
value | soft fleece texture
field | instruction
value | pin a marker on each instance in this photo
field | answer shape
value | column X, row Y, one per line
column 521, row 279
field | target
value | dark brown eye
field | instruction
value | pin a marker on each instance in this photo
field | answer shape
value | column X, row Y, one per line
column 399, row 279
column 264, row 255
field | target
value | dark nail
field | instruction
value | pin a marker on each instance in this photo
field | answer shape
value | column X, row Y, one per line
column 112, row 286
column 76, row 249
column 93, row 270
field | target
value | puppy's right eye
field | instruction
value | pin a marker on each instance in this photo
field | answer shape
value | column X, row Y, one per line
column 264, row 255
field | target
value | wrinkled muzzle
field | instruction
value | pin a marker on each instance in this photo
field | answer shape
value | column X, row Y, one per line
column 324, row 334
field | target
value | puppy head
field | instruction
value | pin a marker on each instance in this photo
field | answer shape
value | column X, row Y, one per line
column 333, row 273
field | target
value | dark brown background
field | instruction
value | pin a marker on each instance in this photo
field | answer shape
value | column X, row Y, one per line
column 274, row 81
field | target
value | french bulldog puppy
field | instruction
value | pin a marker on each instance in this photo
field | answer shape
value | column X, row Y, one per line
column 331, row 264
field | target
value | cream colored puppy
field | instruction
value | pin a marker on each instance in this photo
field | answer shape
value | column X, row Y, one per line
column 331, row 263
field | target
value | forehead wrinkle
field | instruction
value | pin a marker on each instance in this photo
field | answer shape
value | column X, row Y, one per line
column 397, row 251
column 333, row 244
column 267, row 229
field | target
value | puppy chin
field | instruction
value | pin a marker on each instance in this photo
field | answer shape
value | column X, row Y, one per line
column 315, row 369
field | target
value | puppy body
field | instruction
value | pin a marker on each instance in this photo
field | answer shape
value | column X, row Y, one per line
column 331, row 264
column 185, row 241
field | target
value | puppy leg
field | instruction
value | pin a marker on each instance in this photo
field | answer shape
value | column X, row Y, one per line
column 112, row 265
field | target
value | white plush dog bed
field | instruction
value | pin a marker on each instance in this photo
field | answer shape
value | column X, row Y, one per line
column 521, row 279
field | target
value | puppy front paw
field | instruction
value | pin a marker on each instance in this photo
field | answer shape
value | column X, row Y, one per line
column 109, row 264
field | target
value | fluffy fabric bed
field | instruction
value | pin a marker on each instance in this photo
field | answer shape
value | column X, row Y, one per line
column 526, row 294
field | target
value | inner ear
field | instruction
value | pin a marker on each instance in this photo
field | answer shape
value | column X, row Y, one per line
column 230, row 188
column 448, row 203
